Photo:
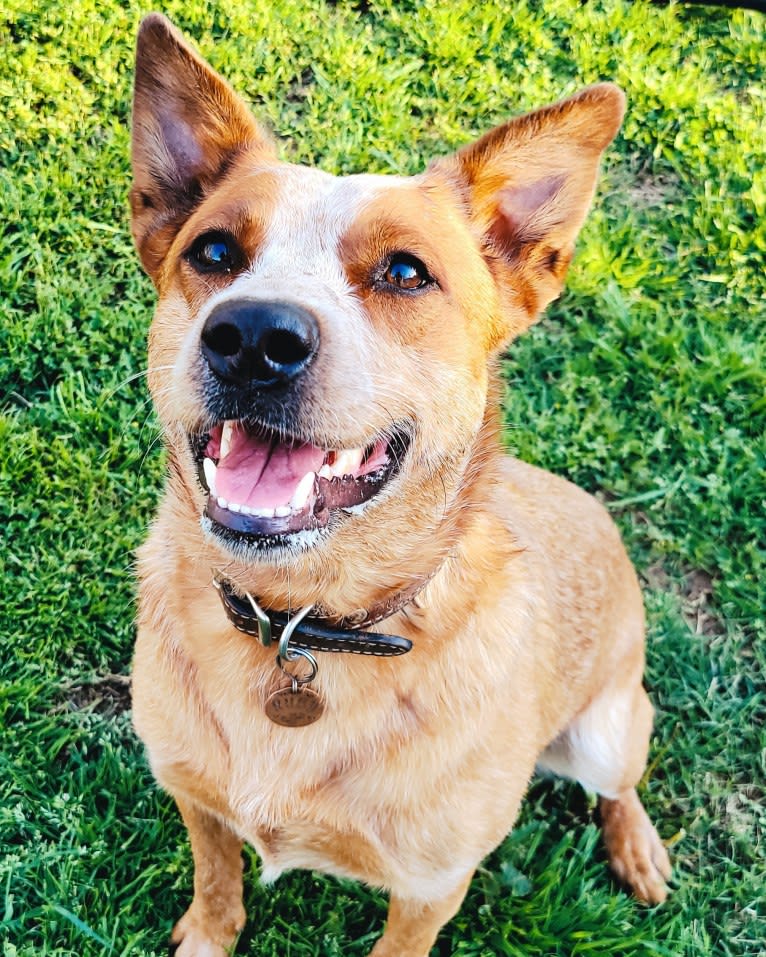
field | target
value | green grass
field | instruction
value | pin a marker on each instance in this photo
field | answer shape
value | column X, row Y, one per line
column 645, row 384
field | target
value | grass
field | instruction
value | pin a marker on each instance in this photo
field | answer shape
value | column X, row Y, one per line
column 644, row 384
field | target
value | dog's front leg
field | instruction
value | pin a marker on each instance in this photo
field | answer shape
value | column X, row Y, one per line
column 412, row 926
column 216, row 916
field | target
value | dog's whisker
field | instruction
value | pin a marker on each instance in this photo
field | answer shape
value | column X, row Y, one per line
column 142, row 374
column 154, row 442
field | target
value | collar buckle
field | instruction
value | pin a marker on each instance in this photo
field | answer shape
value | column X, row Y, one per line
column 299, row 631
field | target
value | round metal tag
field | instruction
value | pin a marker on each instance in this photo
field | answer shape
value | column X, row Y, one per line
column 294, row 708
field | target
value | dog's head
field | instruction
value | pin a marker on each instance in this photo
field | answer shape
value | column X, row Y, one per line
column 322, row 351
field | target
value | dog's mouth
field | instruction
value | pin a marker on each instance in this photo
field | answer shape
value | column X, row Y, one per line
column 262, row 484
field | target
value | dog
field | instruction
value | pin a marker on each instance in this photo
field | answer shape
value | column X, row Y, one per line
column 362, row 625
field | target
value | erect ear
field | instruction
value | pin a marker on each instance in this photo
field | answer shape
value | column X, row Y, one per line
column 528, row 186
column 188, row 127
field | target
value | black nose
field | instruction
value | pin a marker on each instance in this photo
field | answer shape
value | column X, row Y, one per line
column 259, row 344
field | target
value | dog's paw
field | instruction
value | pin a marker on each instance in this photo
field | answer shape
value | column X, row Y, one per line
column 190, row 938
column 196, row 944
column 636, row 853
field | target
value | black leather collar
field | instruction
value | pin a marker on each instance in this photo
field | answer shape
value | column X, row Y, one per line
column 314, row 634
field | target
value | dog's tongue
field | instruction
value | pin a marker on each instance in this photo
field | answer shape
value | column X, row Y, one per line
column 260, row 472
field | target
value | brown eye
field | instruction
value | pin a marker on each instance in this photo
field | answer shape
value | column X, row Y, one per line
column 406, row 272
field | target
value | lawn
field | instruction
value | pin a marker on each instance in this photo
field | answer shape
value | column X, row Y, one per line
column 645, row 383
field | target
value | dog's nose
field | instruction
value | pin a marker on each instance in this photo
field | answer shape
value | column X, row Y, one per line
column 259, row 344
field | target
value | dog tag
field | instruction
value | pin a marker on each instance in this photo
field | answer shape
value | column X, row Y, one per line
column 294, row 706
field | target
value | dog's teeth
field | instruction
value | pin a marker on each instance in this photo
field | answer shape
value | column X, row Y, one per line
column 347, row 461
column 225, row 440
column 209, row 468
column 282, row 511
column 263, row 512
column 233, row 507
column 222, row 502
column 354, row 509
column 325, row 472
column 302, row 493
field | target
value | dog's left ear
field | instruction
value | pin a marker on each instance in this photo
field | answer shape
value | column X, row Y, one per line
column 188, row 127
column 528, row 186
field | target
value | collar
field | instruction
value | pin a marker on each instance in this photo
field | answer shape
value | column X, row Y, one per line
column 322, row 631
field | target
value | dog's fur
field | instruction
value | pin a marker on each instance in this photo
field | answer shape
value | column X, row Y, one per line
column 529, row 636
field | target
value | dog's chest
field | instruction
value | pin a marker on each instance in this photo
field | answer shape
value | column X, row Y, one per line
column 303, row 809
column 320, row 818
column 376, row 794
column 377, row 789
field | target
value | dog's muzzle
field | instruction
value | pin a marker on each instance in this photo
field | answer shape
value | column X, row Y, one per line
column 265, row 478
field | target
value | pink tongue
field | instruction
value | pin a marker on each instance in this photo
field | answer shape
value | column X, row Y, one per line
column 262, row 473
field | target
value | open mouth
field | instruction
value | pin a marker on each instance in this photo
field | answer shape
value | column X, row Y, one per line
column 264, row 484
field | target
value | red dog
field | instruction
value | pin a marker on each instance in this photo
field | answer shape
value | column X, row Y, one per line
column 324, row 364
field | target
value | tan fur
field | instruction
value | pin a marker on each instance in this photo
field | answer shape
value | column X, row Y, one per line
column 528, row 639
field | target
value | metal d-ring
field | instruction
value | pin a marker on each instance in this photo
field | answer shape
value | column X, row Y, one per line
column 305, row 679
column 285, row 652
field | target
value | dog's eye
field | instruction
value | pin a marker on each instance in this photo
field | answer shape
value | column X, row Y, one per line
column 213, row 252
column 406, row 272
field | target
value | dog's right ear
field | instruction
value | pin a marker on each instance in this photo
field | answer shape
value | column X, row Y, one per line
column 188, row 127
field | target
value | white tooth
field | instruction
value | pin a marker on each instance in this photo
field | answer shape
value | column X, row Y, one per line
column 347, row 461
column 282, row 511
column 263, row 512
column 225, row 440
column 222, row 502
column 233, row 507
column 302, row 493
column 354, row 509
column 210, row 469
column 325, row 472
